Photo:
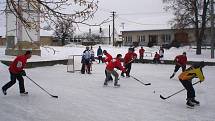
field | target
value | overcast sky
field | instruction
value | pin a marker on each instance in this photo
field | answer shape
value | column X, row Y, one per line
column 136, row 14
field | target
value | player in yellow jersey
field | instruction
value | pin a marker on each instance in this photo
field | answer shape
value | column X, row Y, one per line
column 186, row 77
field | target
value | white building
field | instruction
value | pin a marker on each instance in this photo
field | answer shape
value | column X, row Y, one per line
column 162, row 36
column 19, row 37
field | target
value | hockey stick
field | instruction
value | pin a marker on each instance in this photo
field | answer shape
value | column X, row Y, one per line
column 164, row 98
column 131, row 60
column 42, row 88
column 140, row 81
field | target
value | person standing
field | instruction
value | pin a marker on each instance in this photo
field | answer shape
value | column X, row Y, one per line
column 161, row 52
column 186, row 77
column 141, row 53
column 128, row 60
column 156, row 58
column 17, row 71
column 108, row 57
column 115, row 63
column 86, row 61
column 180, row 62
column 106, row 60
column 92, row 53
column 99, row 54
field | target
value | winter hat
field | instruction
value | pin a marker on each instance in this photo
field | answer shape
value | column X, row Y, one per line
column 199, row 65
column 131, row 49
column 104, row 51
column 119, row 55
column 28, row 52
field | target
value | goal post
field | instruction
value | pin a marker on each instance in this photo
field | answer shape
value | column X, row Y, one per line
column 74, row 63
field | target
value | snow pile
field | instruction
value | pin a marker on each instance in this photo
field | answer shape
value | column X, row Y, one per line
column 58, row 53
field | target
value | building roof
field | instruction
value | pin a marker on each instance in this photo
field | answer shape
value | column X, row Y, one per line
column 156, row 30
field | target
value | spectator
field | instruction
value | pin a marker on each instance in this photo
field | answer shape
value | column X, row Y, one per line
column 161, row 52
column 99, row 54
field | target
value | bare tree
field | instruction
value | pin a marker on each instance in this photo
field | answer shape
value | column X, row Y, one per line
column 90, row 37
column 64, row 30
column 75, row 11
column 190, row 13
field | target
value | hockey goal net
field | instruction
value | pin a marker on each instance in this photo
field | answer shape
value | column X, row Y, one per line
column 74, row 63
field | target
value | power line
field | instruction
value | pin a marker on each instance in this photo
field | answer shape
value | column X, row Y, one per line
column 136, row 22
column 104, row 9
column 143, row 13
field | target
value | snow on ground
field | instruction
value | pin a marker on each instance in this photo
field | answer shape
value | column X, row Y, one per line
column 47, row 52
column 83, row 98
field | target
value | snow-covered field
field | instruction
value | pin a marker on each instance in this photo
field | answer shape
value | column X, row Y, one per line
column 83, row 97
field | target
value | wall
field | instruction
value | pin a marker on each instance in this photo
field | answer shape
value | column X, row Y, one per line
column 147, row 33
column 159, row 33
column 2, row 41
column 46, row 40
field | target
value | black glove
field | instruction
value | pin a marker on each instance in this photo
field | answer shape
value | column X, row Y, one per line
column 23, row 73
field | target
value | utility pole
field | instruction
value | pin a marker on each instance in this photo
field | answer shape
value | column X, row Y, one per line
column 90, row 33
column 212, row 28
column 109, row 35
column 113, row 15
column 123, row 25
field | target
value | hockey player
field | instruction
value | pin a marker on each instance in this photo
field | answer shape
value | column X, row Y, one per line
column 106, row 60
column 156, row 58
column 180, row 61
column 128, row 60
column 86, row 61
column 141, row 53
column 186, row 77
column 115, row 63
column 92, row 53
column 108, row 57
column 17, row 72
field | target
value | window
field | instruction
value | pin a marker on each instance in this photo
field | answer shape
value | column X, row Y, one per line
column 141, row 38
column 166, row 38
column 153, row 38
column 128, row 39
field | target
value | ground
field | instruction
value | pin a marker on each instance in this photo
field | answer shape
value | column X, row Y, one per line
column 83, row 97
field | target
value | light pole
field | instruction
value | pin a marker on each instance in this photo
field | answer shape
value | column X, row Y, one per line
column 212, row 29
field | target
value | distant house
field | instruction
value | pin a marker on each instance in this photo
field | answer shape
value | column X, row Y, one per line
column 49, row 41
column 98, row 36
column 162, row 36
column 105, row 37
